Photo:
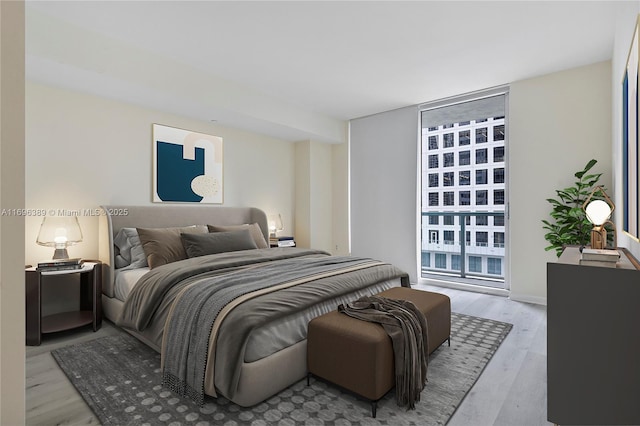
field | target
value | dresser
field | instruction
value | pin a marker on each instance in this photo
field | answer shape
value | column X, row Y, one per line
column 593, row 341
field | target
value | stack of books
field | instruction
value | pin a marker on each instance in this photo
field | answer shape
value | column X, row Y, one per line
column 599, row 257
column 282, row 242
column 60, row 265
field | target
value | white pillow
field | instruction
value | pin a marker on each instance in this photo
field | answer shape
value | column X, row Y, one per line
column 131, row 254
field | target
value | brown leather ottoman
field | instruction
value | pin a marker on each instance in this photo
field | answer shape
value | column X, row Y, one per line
column 358, row 356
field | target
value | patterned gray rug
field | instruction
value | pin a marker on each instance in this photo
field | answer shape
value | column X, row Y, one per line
column 119, row 378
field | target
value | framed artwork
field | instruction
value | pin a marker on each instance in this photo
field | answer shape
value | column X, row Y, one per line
column 630, row 149
column 187, row 166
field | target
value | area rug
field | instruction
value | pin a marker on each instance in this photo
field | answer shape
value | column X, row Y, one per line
column 120, row 379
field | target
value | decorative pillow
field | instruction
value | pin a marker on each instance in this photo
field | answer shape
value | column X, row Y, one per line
column 253, row 228
column 163, row 245
column 217, row 242
column 129, row 251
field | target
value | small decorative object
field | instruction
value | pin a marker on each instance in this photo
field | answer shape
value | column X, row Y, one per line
column 59, row 232
column 598, row 212
column 187, row 166
column 568, row 224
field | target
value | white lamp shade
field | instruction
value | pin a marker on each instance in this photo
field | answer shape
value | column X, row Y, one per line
column 59, row 231
column 598, row 212
column 275, row 223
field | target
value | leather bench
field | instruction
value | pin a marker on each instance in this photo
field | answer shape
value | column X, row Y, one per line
column 358, row 356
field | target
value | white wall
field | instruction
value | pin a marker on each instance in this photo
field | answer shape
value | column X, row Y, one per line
column 625, row 24
column 340, row 200
column 557, row 123
column 84, row 151
column 313, row 200
column 383, row 167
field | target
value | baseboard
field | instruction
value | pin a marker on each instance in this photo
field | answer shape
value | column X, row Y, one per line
column 538, row 300
column 464, row 286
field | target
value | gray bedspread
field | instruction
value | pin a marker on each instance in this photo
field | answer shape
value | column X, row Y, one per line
column 206, row 335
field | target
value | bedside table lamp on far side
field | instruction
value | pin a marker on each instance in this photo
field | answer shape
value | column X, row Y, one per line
column 275, row 226
column 59, row 232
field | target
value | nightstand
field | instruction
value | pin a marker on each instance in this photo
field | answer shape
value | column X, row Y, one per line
column 90, row 301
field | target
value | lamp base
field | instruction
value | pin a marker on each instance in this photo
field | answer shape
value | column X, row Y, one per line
column 598, row 237
column 60, row 254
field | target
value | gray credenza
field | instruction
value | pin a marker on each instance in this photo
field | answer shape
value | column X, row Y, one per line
column 593, row 341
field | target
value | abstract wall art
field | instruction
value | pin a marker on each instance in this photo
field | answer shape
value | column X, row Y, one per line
column 187, row 166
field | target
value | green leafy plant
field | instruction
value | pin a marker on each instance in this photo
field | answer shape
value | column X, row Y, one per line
column 569, row 224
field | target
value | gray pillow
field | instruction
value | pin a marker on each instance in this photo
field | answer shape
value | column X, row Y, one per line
column 254, row 228
column 217, row 242
column 129, row 251
column 163, row 245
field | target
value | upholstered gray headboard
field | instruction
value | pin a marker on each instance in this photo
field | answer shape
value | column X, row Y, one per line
column 162, row 216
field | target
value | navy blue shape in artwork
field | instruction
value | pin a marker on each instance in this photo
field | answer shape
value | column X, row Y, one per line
column 174, row 174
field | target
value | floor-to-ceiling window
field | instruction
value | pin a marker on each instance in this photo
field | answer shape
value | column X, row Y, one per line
column 463, row 189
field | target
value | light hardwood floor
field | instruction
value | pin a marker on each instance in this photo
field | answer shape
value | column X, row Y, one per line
column 512, row 390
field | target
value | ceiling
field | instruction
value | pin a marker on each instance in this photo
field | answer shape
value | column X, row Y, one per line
column 298, row 70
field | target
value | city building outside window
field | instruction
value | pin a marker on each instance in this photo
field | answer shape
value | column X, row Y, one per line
column 447, row 140
column 494, row 266
column 449, row 237
column 426, row 259
column 482, row 197
column 472, row 153
column 447, row 159
column 481, row 156
column 481, row 135
column 475, row 264
column 465, row 198
column 433, row 161
column 464, row 137
column 447, row 179
column 433, row 142
column 455, row 262
column 481, row 177
column 464, row 158
column 448, row 198
column 464, row 177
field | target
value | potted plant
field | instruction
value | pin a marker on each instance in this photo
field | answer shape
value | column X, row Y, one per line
column 569, row 224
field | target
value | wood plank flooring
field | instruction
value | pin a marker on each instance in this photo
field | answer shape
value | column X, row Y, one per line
column 512, row 390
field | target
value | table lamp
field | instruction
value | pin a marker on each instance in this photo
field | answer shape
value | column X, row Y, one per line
column 275, row 226
column 598, row 213
column 59, row 232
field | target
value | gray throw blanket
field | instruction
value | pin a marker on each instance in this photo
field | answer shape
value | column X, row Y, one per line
column 406, row 325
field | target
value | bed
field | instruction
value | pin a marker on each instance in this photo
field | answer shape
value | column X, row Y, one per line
column 249, row 334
